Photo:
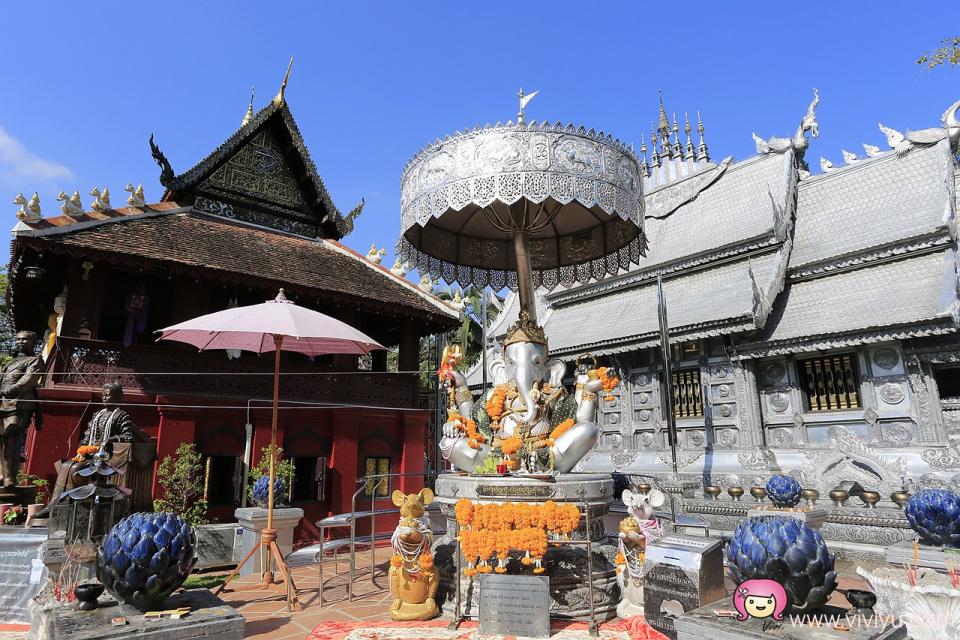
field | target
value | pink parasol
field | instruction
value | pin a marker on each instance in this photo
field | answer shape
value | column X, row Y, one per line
column 256, row 328
column 276, row 325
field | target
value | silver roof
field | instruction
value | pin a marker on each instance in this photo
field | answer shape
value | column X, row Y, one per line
column 916, row 296
column 703, row 303
column 871, row 203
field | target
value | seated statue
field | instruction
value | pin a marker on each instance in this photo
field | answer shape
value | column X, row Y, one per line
column 112, row 432
column 528, row 417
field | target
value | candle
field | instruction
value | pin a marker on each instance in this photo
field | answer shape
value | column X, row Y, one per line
column 916, row 552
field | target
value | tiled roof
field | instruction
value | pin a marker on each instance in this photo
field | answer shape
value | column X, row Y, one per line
column 735, row 209
column 224, row 249
column 705, row 302
column 871, row 203
column 915, row 294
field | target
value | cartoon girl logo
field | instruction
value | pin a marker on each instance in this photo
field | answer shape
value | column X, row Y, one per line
column 760, row 599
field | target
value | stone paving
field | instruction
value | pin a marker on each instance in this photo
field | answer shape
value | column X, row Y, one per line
column 268, row 619
column 266, row 611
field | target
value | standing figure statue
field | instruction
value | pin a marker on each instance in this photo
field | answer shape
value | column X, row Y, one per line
column 109, row 427
column 19, row 379
column 528, row 412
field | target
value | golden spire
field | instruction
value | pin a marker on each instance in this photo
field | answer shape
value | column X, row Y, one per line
column 278, row 99
column 249, row 115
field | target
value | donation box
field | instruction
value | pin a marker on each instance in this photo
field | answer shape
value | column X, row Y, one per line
column 680, row 573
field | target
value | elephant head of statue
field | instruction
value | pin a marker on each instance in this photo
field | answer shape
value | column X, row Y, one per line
column 525, row 361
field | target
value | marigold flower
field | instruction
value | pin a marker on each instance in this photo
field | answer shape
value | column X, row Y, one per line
column 511, row 445
column 396, row 561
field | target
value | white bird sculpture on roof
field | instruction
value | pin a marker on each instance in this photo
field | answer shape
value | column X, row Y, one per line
column 136, row 198
column 426, row 284
column 102, row 199
column 398, row 268
column 825, row 165
column 71, row 204
column 29, row 210
column 848, row 156
column 375, row 255
column 872, row 150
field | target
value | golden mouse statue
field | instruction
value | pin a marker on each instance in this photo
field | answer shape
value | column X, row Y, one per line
column 413, row 578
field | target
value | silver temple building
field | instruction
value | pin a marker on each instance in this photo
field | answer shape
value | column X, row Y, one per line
column 813, row 322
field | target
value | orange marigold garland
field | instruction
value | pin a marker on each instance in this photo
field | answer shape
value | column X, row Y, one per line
column 609, row 381
column 85, row 450
column 511, row 445
column 489, row 531
column 561, row 428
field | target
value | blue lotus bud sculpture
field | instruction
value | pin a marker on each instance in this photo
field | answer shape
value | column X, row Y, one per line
column 783, row 491
column 145, row 557
column 935, row 515
column 261, row 489
column 788, row 551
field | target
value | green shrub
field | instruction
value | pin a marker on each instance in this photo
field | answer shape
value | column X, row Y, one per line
column 181, row 476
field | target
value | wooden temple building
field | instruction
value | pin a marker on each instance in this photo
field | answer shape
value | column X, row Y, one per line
column 248, row 219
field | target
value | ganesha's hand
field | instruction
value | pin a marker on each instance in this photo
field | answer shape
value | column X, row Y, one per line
column 451, row 430
column 593, row 385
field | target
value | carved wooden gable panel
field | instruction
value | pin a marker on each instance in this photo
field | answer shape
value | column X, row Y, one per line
column 258, row 169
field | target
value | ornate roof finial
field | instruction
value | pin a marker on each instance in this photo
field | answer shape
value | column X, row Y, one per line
column 663, row 126
column 688, row 152
column 654, row 153
column 677, row 147
column 279, row 99
column 644, row 167
column 249, row 115
column 525, row 99
column 702, row 154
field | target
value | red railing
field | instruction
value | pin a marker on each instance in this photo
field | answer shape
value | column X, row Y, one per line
column 88, row 364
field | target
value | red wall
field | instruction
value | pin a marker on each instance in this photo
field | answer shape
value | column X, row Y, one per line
column 346, row 436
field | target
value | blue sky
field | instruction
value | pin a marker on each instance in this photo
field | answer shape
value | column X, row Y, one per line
column 85, row 84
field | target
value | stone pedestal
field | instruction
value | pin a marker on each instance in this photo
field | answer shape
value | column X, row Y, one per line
column 565, row 565
column 254, row 520
column 209, row 619
column 928, row 556
column 703, row 624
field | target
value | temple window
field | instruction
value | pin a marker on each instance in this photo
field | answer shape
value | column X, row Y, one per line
column 377, row 466
column 310, row 480
column 222, row 481
column 830, row 383
column 687, row 394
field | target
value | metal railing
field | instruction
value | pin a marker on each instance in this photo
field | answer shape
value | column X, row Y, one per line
column 350, row 519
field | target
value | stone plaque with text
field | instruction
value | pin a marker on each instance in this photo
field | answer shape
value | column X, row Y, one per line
column 515, row 605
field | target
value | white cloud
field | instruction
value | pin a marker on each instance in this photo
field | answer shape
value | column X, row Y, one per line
column 20, row 165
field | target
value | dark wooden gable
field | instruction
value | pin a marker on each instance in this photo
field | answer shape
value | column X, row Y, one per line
column 261, row 175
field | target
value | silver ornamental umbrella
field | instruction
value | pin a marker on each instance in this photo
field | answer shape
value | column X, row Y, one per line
column 524, row 206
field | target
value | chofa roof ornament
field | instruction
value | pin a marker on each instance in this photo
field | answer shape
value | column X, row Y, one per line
column 949, row 130
column 799, row 142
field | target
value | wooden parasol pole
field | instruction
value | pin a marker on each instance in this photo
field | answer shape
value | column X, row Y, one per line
column 268, row 572
column 269, row 551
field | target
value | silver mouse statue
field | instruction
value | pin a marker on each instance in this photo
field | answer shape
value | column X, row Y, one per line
column 527, row 408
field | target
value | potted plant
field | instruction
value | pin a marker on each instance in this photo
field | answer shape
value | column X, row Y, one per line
column 283, row 478
column 42, row 495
